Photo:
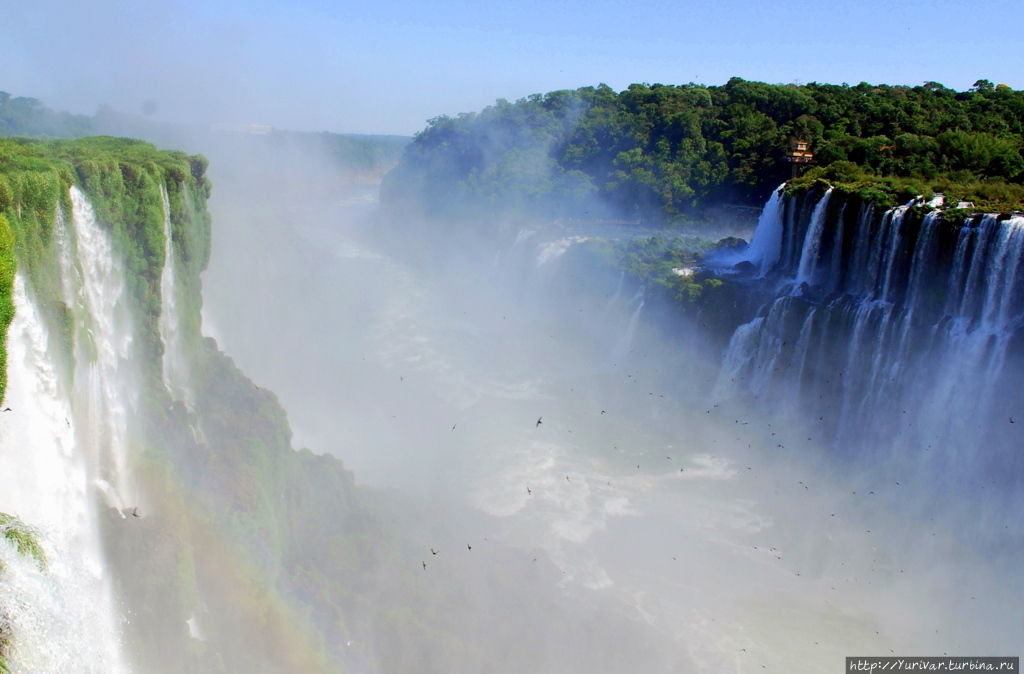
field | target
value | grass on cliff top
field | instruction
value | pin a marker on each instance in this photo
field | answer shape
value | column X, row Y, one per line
column 989, row 195
column 24, row 154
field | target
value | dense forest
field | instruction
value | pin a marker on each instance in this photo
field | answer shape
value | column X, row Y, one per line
column 663, row 153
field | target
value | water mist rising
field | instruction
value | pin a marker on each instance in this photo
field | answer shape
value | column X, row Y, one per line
column 911, row 354
column 174, row 361
column 67, row 454
column 64, row 618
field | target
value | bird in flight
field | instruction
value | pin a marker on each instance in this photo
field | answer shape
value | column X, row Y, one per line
column 424, row 566
column 433, row 551
column 135, row 511
column 528, row 491
column 469, row 546
column 538, row 421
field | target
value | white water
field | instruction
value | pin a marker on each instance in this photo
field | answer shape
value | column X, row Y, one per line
column 812, row 241
column 621, row 349
column 766, row 246
column 104, row 376
column 553, row 250
column 65, row 456
column 64, row 619
column 687, row 520
column 175, row 364
column 905, row 392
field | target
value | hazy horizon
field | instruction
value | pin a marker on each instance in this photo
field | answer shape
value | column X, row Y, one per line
column 388, row 68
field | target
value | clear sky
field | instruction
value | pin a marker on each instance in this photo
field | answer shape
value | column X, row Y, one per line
column 387, row 66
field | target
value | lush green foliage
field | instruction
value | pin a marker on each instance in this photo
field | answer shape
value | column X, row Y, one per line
column 661, row 152
column 284, row 561
column 159, row 569
column 8, row 266
column 673, row 270
column 23, row 537
column 123, row 180
column 989, row 195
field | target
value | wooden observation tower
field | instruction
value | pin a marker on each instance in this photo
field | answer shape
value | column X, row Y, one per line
column 799, row 156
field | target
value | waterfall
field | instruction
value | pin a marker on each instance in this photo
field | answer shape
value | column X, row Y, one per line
column 766, row 246
column 65, row 452
column 103, row 355
column 621, row 350
column 916, row 348
column 175, row 367
column 63, row 618
column 812, row 241
column 615, row 296
column 552, row 250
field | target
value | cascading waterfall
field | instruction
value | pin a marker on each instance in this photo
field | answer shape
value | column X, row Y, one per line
column 552, row 250
column 175, row 367
column 812, row 241
column 103, row 355
column 766, row 245
column 621, row 349
column 615, row 296
column 66, row 454
column 63, row 618
column 905, row 341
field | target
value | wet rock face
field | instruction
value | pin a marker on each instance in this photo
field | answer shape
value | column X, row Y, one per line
column 745, row 267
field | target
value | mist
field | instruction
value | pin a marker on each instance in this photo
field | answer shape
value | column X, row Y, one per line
column 523, row 399
column 387, row 68
column 540, row 462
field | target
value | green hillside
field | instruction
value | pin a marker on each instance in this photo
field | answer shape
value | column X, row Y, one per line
column 664, row 153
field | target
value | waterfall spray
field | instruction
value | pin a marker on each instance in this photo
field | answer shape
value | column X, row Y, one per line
column 909, row 349
column 812, row 241
column 766, row 246
column 175, row 368
column 104, row 350
column 63, row 617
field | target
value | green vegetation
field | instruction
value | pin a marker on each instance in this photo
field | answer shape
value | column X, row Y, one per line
column 8, row 267
column 665, row 153
column 987, row 195
column 22, row 116
column 25, row 540
column 672, row 269
column 123, row 179
column 280, row 557
column 156, row 563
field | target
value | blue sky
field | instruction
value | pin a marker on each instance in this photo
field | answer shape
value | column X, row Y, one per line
column 387, row 67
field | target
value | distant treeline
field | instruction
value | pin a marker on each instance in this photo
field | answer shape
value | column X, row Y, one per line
column 663, row 153
column 23, row 116
column 29, row 117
